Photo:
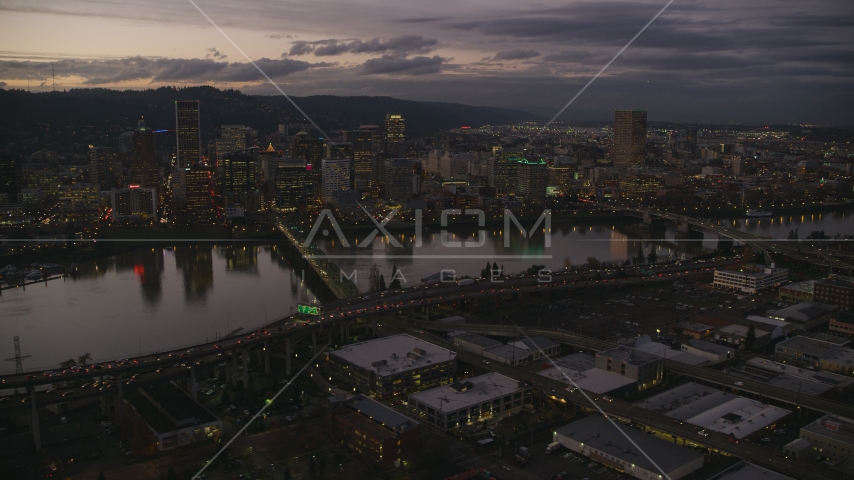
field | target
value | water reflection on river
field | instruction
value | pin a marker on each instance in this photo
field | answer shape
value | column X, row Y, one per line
column 149, row 299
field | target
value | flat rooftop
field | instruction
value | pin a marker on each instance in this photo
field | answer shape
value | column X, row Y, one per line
column 477, row 339
column 775, row 322
column 842, row 428
column 645, row 344
column 379, row 413
column 714, row 409
column 629, row 355
column 808, row 346
column 477, row 390
column 394, row 354
column 709, row 347
column 802, row 312
column 832, row 380
column 741, row 330
column 597, row 432
column 748, row 471
column 694, row 326
column 165, row 408
column 593, row 380
column 535, row 343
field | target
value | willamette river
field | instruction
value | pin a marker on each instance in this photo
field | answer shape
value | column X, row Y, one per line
column 151, row 299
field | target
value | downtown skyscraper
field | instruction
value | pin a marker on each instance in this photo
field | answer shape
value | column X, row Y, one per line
column 187, row 132
column 629, row 147
column 143, row 163
column 395, row 135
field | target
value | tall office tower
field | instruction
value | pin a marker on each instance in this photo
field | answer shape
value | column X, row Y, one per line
column 363, row 152
column 126, row 142
column 343, row 150
column 294, row 183
column 200, row 192
column 78, row 202
column 133, row 202
column 336, row 176
column 311, row 149
column 187, row 132
column 395, row 135
column 398, row 182
column 238, row 178
column 533, row 174
column 231, row 139
column 503, row 174
column 629, row 147
column 691, row 140
column 102, row 162
column 143, row 163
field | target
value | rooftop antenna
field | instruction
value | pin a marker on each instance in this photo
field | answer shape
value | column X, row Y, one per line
column 18, row 357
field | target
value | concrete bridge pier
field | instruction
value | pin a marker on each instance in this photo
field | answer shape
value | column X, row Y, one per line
column 347, row 330
column 245, row 369
column 191, row 383
column 234, row 368
column 105, row 405
column 684, row 226
column 266, row 351
column 647, row 218
column 35, row 428
column 288, row 356
column 120, row 401
column 343, row 337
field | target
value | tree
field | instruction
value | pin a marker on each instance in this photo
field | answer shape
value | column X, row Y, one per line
column 287, row 473
column 82, row 359
column 818, row 235
column 567, row 263
column 652, row 257
column 750, row 339
column 535, row 269
column 225, row 398
column 382, row 283
column 374, row 278
column 593, row 262
column 641, row 257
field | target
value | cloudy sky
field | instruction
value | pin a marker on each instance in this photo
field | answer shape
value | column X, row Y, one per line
column 758, row 61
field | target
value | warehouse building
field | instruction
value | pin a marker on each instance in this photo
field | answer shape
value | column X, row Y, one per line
column 715, row 410
column 805, row 315
column 394, row 365
column 745, row 470
column 580, row 369
column 645, row 369
column 479, row 399
column 596, row 438
column 710, row 351
column 814, row 351
column 830, row 438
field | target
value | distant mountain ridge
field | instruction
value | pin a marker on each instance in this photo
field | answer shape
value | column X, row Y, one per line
column 104, row 107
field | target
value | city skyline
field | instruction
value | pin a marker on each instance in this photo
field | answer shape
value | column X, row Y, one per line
column 695, row 63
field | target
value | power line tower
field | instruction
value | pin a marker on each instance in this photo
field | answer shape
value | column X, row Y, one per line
column 18, row 358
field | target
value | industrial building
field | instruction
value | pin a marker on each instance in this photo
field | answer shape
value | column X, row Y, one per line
column 835, row 292
column 830, row 438
column 474, row 343
column 645, row 369
column 745, row 470
column 792, row 378
column 805, row 315
column 393, row 365
column 596, row 438
column 645, row 344
column 816, row 351
column 751, row 279
column 479, row 399
column 377, row 433
column 707, row 350
column 173, row 418
column 736, row 335
column 715, row 410
column 580, row 369
column 797, row 292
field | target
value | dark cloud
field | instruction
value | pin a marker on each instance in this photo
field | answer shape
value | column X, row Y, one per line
column 515, row 55
column 162, row 70
column 215, row 54
column 279, row 36
column 401, row 45
column 422, row 19
column 3, row 84
column 401, row 65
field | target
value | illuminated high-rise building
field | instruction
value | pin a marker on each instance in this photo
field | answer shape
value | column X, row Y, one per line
column 311, row 149
column 629, row 147
column 294, row 183
column 503, row 174
column 231, row 139
column 336, row 176
column 200, row 192
column 363, row 152
column 238, row 177
column 398, row 182
column 395, row 135
column 102, row 162
column 187, row 132
column 143, row 163
column 532, row 179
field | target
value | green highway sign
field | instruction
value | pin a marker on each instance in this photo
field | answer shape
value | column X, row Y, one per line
column 308, row 309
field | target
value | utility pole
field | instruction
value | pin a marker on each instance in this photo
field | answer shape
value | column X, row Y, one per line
column 18, row 357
